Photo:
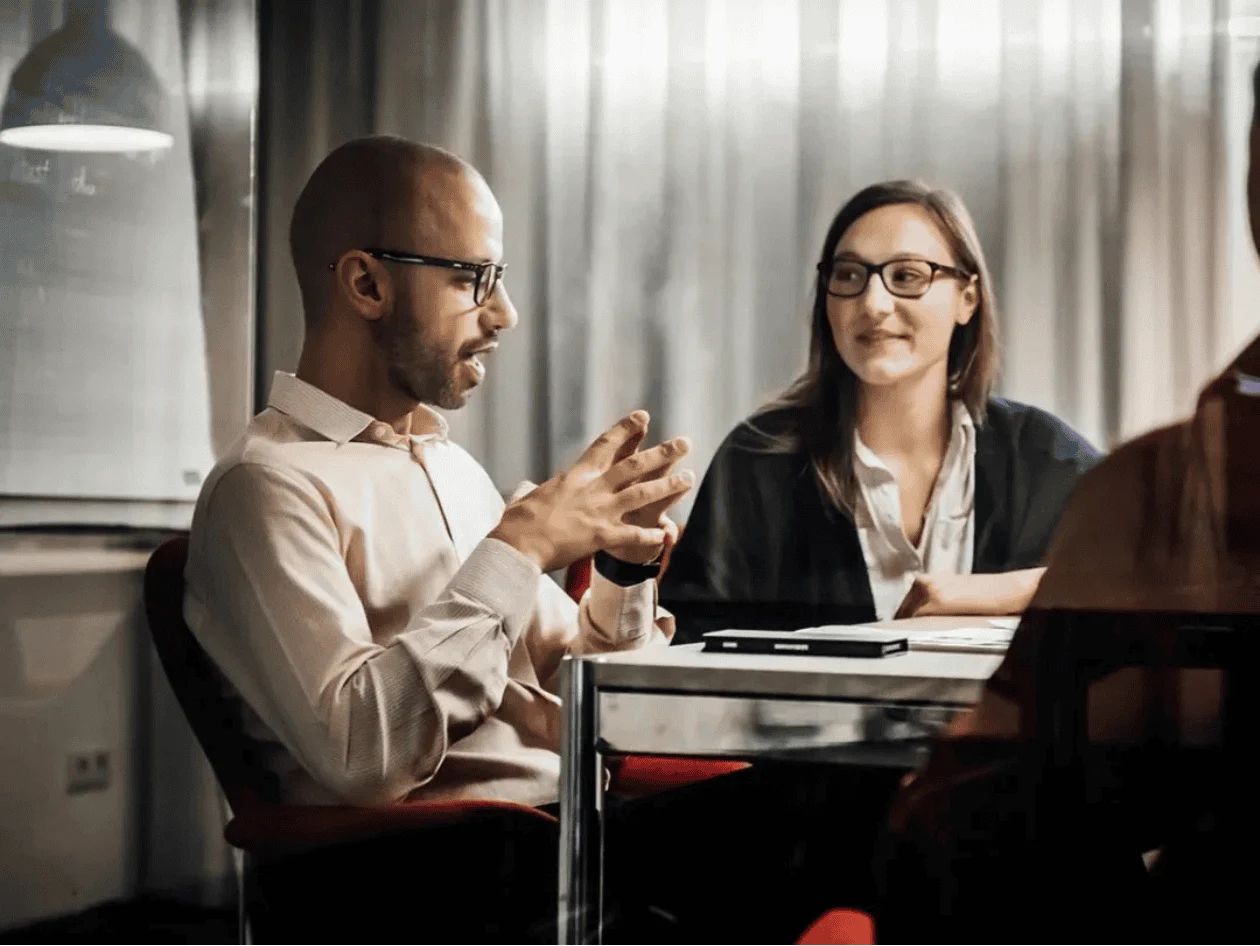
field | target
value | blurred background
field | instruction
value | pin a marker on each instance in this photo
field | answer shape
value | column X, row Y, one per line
column 667, row 169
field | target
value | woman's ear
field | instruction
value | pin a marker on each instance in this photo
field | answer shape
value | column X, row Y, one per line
column 968, row 301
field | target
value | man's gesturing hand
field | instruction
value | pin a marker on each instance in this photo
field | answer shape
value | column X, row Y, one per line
column 613, row 498
column 631, row 468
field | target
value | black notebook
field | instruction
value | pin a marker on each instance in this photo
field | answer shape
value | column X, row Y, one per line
column 840, row 642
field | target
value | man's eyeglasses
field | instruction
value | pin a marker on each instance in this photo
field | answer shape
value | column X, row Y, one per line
column 487, row 275
column 905, row 278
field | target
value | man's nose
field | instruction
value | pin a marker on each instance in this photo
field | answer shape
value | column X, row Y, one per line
column 499, row 313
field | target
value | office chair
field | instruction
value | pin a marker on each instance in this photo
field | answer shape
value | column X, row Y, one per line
column 1043, row 832
column 841, row 927
column 1194, row 793
column 262, row 827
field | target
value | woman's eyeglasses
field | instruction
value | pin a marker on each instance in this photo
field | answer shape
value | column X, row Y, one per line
column 905, row 278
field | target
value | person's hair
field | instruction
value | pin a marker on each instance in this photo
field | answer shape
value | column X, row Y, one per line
column 1255, row 94
column 817, row 413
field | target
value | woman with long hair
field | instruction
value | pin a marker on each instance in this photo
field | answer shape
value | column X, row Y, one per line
column 887, row 481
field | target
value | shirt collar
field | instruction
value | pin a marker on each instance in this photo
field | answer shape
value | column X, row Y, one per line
column 337, row 421
column 961, row 434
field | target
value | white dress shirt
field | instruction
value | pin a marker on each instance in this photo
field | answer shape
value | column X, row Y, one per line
column 947, row 542
column 379, row 644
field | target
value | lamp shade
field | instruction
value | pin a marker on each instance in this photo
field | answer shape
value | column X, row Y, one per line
column 84, row 88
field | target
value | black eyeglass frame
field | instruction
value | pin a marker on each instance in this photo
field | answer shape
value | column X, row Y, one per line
column 480, row 296
column 827, row 270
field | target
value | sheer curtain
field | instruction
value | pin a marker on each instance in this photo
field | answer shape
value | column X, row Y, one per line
column 667, row 169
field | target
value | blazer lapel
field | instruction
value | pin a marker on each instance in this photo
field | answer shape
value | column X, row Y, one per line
column 992, row 492
column 836, row 561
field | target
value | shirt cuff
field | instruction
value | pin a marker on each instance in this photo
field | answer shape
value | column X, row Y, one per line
column 499, row 577
column 621, row 614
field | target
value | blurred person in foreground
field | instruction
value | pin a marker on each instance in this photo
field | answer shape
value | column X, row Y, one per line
column 1100, row 788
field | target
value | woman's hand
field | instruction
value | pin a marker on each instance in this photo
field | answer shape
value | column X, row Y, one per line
column 992, row 594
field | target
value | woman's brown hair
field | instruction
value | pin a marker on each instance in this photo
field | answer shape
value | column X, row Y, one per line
column 817, row 414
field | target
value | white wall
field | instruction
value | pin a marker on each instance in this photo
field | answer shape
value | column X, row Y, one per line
column 78, row 674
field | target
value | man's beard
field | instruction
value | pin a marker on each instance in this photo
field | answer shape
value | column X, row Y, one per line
column 416, row 366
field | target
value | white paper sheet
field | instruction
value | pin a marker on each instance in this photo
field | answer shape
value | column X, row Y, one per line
column 958, row 634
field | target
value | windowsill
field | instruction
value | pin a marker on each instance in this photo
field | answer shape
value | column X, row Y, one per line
column 33, row 514
column 41, row 537
column 26, row 562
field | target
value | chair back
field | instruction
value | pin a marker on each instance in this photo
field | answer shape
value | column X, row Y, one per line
column 262, row 824
column 1202, row 790
column 215, row 722
column 1079, row 648
column 1042, row 829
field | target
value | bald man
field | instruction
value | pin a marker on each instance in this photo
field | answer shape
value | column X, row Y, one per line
column 382, row 620
column 375, row 609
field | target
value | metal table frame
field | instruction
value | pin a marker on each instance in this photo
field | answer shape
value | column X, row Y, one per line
column 678, row 701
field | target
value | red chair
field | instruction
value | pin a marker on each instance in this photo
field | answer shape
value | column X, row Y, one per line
column 261, row 826
column 840, row 926
column 577, row 578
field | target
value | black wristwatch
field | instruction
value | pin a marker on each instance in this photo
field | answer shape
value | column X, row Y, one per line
column 625, row 574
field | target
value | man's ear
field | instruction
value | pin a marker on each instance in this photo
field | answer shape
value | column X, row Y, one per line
column 365, row 284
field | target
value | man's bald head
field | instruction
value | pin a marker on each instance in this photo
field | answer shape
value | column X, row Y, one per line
column 406, row 328
column 379, row 191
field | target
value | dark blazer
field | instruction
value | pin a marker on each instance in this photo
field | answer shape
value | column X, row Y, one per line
column 765, row 548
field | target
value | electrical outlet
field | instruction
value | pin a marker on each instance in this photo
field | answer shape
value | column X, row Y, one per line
column 87, row 771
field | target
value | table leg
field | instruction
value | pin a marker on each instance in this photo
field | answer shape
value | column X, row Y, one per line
column 581, row 808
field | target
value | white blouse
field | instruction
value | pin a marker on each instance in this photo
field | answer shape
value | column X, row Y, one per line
column 947, row 542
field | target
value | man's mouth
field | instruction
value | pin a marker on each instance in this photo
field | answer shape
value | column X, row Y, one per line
column 471, row 357
column 480, row 349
